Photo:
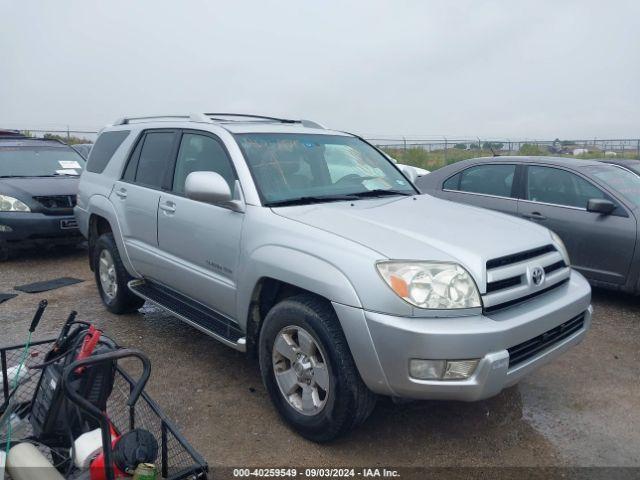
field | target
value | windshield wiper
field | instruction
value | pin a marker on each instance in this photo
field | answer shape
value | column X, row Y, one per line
column 379, row 192
column 310, row 199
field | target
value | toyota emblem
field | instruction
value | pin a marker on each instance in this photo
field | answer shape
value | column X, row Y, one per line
column 537, row 276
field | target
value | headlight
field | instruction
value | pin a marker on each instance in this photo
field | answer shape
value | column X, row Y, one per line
column 430, row 284
column 561, row 248
column 10, row 204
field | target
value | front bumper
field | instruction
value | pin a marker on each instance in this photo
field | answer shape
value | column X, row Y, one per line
column 33, row 229
column 382, row 345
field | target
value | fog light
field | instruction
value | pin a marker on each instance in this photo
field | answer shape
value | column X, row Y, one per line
column 6, row 228
column 442, row 369
column 459, row 369
column 426, row 369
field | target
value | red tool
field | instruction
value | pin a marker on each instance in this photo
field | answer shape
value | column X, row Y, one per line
column 88, row 346
column 97, row 470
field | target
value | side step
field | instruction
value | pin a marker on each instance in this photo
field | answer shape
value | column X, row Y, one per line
column 195, row 314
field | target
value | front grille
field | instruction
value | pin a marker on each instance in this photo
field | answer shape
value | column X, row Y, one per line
column 509, row 279
column 517, row 280
column 502, row 284
column 57, row 204
column 518, row 300
column 526, row 350
column 519, row 257
column 553, row 267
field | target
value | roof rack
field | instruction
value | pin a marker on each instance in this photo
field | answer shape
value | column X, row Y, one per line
column 239, row 117
column 127, row 120
column 218, row 118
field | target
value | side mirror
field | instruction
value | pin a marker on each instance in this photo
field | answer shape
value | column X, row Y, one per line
column 210, row 187
column 600, row 205
column 409, row 171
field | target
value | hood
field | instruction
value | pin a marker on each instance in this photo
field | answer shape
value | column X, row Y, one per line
column 424, row 228
column 27, row 187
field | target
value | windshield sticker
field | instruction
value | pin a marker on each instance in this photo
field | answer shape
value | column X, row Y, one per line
column 67, row 171
column 69, row 164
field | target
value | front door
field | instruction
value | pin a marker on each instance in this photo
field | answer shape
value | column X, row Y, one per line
column 600, row 246
column 200, row 242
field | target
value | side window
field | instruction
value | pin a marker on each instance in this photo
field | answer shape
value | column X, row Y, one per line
column 488, row 179
column 154, row 158
column 559, row 187
column 201, row 153
column 130, row 171
column 452, row 183
column 103, row 150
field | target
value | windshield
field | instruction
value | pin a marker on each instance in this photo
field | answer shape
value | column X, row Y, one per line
column 39, row 161
column 290, row 168
column 619, row 179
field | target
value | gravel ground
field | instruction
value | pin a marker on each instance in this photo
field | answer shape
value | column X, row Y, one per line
column 581, row 410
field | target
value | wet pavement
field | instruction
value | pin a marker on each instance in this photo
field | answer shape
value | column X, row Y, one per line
column 581, row 410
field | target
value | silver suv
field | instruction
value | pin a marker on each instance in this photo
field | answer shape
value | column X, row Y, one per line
column 310, row 249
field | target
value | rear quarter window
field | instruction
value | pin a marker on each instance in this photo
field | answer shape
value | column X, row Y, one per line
column 103, row 150
column 452, row 183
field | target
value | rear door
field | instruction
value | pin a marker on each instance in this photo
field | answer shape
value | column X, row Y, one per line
column 490, row 186
column 600, row 246
column 137, row 194
column 200, row 242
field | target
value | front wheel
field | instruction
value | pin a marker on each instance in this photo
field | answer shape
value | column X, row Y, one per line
column 112, row 277
column 308, row 369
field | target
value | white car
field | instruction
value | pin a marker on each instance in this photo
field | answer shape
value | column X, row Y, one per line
column 419, row 172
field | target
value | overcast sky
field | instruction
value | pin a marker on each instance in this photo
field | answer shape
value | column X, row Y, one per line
column 509, row 69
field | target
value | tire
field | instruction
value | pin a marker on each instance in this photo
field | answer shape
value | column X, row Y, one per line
column 346, row 403
column 119, row 300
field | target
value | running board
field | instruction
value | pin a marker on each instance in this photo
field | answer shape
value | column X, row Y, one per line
column 189, row 311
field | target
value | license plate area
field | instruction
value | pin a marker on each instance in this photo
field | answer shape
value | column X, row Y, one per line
column 68, row 224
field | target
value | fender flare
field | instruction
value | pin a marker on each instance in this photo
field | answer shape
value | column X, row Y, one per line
column 101, row 206
column 311, row 273
column 322, row 278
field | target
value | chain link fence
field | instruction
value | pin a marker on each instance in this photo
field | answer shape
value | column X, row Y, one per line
column 432, row 152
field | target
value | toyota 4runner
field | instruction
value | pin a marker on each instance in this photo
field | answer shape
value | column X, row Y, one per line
column 310, row 249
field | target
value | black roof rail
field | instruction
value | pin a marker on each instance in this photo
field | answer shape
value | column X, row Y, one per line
column 218, row 117
column 246, row 115
column 304, row 123
column 127, row 120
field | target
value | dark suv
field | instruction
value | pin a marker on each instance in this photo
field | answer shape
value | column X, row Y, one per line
column 38, row 186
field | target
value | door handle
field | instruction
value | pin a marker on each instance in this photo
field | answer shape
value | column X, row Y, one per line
column 122, row 193
column 168, row 207
column 534, row 216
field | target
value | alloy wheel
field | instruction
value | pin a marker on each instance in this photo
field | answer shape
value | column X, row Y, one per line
column 107, row 272
column 300, row 370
